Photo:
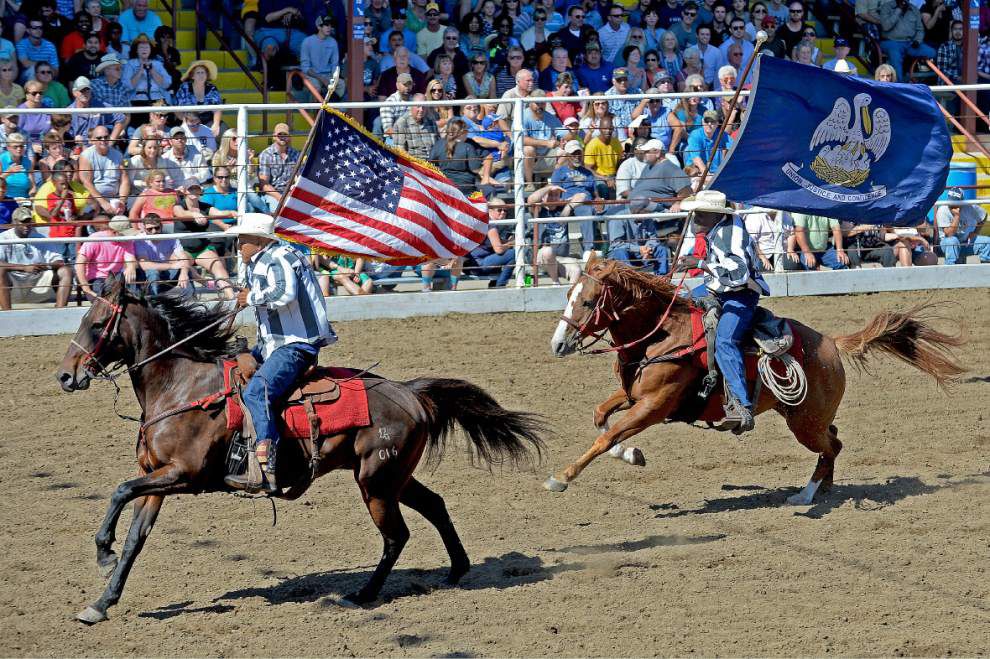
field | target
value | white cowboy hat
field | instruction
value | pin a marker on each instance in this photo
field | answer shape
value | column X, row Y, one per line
column 707, row 201
column 254, row 224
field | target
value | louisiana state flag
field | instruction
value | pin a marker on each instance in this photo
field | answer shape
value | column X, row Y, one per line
column 830, row 144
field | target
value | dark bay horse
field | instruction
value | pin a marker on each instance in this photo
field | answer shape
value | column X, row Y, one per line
column 628, row 304
column 186, row 452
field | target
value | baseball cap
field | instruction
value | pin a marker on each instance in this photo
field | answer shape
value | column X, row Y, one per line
column 176, row 130
column 638, row 121
column 324, row 20
column 620, row 72
column 710, row 115
column 840, row 41
column 432, row 6
column 82, row 82
column 571, row 121
column 573, row 146
column 281, row 128
column 952, row 194
column 22, row 215
column 592, row 45
column 404, row 78
column 650, row 145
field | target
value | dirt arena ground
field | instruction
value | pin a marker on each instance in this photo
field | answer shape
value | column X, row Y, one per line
column 693, row 554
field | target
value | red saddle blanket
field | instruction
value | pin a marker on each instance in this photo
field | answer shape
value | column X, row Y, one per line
column 700, row 356
column 348, row 411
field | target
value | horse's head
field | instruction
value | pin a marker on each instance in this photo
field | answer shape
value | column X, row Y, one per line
column 97, row 342
column 588, row 309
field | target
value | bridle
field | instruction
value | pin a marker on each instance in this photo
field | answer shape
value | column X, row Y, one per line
column 111, row 330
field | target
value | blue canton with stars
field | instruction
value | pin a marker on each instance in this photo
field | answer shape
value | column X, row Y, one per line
column 345, row 160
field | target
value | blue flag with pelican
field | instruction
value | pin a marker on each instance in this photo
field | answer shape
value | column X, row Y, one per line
column 845, row 147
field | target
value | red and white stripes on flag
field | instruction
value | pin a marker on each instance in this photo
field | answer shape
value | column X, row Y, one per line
column 431, row 219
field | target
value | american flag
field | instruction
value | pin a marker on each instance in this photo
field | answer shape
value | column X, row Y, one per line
column 358, row 197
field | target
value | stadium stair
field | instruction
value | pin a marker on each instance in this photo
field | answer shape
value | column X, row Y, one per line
column 234, row 84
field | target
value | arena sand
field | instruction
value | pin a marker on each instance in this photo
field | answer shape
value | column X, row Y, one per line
column 693, row 554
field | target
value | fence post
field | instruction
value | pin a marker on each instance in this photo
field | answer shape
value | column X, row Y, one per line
column 520, row 192
column 242, row 159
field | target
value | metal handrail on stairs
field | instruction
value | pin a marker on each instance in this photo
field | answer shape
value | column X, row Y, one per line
column 216, row 31
column 297, row 73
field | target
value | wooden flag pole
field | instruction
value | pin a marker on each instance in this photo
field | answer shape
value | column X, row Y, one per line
column 309, row 141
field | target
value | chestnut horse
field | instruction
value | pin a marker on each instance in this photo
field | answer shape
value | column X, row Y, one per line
column 186, row 452
column 660, row 381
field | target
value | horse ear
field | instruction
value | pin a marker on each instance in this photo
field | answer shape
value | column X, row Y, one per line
column 115, row 286
column 592, row 261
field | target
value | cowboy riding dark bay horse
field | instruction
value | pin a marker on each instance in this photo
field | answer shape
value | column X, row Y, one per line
column 180, row 356
column 658, row 350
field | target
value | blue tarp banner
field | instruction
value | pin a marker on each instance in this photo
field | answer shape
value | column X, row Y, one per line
column 845, row 147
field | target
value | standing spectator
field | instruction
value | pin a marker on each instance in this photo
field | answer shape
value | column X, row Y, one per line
column 812, row 234
column 16, row 167
column 11, row 94
column 459, row 159
column 84, row 61
column 962, row 230
column 34, row 126
column 602, row 155
column 709, row 56
column 26, row 266
column 98, row 260
column 276, row 165
column 109, row 90
column 594, row 75
column 170, row 56
column 576, row 35
column 35, row 49
column 613, row 35
column 102, row 172
column 137, row 21
column 793, row 30
column 319, row 55
column 621, row 109
column 936, row 16
column 82, row 124
column 685, row 29
column 146, row 76
column 415, row 132
column 949, row 55
column 198, row 88
column 540, row 139
column 191, row 165
column 903, row 34
column 430, row 37
column 162, row 263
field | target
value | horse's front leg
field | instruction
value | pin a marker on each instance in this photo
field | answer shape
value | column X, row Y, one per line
column 617, row 402
column 645, row 413
column 165, row 477
column 145, row 514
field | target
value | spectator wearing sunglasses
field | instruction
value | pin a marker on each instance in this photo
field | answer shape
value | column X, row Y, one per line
column 613, row 35
column 35, row 49
column 793, row 31
column 738, row 37
column 452, row 48
column 685, row 29
column 576, row 34
column 34, row 126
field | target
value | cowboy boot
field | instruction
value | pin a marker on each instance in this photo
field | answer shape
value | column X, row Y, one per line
column 268, row 469
column 260, row 475
column 738, row 418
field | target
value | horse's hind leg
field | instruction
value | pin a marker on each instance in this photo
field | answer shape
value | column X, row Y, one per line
column 388, row 518
column 823, row 441
column 145, row 513
column 430, row 505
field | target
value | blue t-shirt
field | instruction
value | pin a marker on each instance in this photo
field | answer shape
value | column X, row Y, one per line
column 222, row 201
column 597, row 81
column 7, row 208
column 158, row 251
column 700, row 145
column 574, row 180
column 546, row 127
column 19, row 184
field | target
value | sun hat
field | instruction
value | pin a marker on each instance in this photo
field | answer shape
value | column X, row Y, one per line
column 254, row 224
column 211, row 69
column 108, row 60
column 707, row 201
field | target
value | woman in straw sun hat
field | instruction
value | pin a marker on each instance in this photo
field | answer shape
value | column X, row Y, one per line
column 198, row 88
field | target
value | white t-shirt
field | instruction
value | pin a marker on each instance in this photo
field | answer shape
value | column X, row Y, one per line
column 770, row 233
column 26, row 254
column 969, row 217
column 627, row 175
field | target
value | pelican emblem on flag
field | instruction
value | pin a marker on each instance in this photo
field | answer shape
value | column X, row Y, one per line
column 850, row 151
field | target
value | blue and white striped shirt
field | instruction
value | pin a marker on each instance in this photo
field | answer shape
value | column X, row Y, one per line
column 287, row 300
column 732, row 259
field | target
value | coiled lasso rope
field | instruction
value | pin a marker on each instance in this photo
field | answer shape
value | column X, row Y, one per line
column 791, row 387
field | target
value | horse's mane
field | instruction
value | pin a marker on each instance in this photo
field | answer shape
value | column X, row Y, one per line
column 642, row 285
column 183, row 316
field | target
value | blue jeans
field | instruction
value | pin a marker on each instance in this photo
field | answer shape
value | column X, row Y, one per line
column 896, row 50
column 733, row 327
column 488, row 265
column 828, row 258
column 278, row 35
column 274, row 380
column 658, row 264
column 159, row 281
column 956, row 251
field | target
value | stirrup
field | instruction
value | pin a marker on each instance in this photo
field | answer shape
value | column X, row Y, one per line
column 737, row 418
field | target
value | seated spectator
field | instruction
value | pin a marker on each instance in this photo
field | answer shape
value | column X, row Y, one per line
column 577, row 190
column 794, row 29
column 192, row 217
column 576, row 33
column 150, row 159
column 280, row 27
column 602, row 155
column 26, row 267
column 319, row 55
column 537, row 34
column 102, row 172
column 162, row 264
column 166, row 51
column 660, row 180
column 450, row 86
column 541, row 132
column 565, row 109
column 114, row 37
column 636, row 243
column 803, row 54
column 157, row 198
column 871, row 244
column 79, row 193
column 554, row 238
column 459, row 159
column 842, row 50
column 632, row 57
column 594, row 113
column 220, row 199
column 198, row 88
column 684, row 30
column 276, row 165
column 146, row 76
column 55, row 94
column 621, row 109
column 75, row 40
column 10, row 125
column 17, row 168
column 452, row 49
column 902, row 34
column 98, row 260
column 774, row 44
column 505, row 76
column 34, row 126
column 415, row 61
column 496, row 254
column 344, row 272
column 630, row 169
column 885, row 73
column 415, row 132
column 199, row 135
column 390, row 112
column 35, row 49
column 812, row 233
column 156, row 128
column 772, row 232
column 613, row 35
column 962, row 230
column 7, row 204
column 559, row 63
column 868, row 18
column 525, row 84
column 137, row 20
column 684, row 120
column 7, row 49
column 701, row 147
column 226, row 156
column 83, row 62
column 189, row 161
column 11, row 94
column 63, row 211
column 387, row 83
column 501, row 41
column 83, row 124
column 479, row 82
column 108, row 88
column 57, row 25
column 489, row 136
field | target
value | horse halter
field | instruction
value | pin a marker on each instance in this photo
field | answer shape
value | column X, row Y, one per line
column 111, row 329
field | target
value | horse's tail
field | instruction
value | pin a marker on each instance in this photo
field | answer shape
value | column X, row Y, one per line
column 910, row 337
column 497, row 435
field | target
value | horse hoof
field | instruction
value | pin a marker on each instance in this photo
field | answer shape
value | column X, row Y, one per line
column 799, row 499
column 635, row 457
column 554, row 485
column 107, row 568
column 90, row 616
column 457, row 573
